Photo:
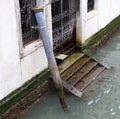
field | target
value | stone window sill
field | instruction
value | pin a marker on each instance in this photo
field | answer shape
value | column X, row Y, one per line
column 90, row 15
column 29, row 49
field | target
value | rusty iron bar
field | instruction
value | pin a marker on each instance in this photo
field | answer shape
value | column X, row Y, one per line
column 63, row 25
column 50, row 55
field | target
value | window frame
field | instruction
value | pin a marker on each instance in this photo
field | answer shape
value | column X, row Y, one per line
column 90, row 6
column 32, row 47
column 29, row 34
column 24, row 50
column 89, row 15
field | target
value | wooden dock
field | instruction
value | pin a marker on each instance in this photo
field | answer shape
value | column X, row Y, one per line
column 78, row 71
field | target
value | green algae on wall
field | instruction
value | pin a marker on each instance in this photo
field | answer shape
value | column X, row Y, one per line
column 100, row 34
column 21, row 92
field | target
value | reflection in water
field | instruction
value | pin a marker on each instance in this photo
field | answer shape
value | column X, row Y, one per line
column 101, row 100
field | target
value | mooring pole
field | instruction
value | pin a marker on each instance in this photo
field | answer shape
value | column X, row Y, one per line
column 50, row 55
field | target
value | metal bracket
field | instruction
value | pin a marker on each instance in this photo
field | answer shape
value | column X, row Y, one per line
column 37, row 27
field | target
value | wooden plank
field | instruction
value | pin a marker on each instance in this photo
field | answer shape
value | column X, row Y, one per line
column 74, row 67
column 61, row 56
column 72, row 89
column 82, row 72
column 77, row 66
column 89, row 78
column 70, row 61
column 102, row 63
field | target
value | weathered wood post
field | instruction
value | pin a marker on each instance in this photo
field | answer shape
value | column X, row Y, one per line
column 50, row 55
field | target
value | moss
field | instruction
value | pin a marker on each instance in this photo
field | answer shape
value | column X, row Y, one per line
column 88, row 52
column 100, row 34
column 78, row 44
column 21, row 92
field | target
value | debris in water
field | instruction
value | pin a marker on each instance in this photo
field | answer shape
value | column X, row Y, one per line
column 69, row 106
column 97, row 99
column 111, row 109
column 119, row 106
column 108, row 91
column 89, row 103
column 113, row 113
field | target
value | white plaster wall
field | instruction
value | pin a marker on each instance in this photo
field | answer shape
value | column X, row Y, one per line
column 89, row 24
column 115, row 8
column 33, row 64
column 35, row 61
column 10, row 72
column 14, row 72
column 105, row 11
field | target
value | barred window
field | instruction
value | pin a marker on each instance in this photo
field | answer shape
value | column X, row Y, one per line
column 90, row 5
column 27, row 21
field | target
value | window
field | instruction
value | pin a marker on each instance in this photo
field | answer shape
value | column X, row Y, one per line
column 27, row 21
column 90, row 5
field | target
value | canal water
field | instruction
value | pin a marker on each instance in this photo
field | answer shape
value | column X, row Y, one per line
column 100, row 101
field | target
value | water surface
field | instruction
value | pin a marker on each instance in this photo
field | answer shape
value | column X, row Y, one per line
column 101, row 100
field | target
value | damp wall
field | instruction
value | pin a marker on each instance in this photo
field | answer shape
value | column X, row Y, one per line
column 18, row 64
column 103, row 13
column 10, row 70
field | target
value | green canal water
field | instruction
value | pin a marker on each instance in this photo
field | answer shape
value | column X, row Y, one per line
column 100, row 101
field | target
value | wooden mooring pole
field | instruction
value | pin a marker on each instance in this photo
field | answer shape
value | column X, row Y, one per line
column 50, row 55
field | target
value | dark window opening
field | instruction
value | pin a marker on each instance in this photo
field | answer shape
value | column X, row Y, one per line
column 63, row 25
column 27, row 21
column 90, row 5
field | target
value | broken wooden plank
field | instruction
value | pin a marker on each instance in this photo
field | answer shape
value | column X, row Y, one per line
column 102, row 63
column 61, row 56
column 72, row 89
column 82, row 72
column 70, row 61
column 74, row 67
column 89, row 78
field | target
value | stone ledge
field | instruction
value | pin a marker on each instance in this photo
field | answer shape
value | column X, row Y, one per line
column 22, row 92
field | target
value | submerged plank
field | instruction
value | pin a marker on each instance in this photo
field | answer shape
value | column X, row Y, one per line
column 74, row 67
column 72, row 89
column 89, row 78
column 82, row 72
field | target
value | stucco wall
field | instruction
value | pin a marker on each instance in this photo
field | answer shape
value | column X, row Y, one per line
column 115, row 8
column 10, row 71
column 15, row 71
column 33, row 64
column 104, row 12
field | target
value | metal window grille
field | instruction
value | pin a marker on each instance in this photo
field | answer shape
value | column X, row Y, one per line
column 90, row 5
column 63, row 24
column 27, row 21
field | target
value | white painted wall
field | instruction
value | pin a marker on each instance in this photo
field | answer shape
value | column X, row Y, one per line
column 10, row 71
column 33, row 64
column 14, row 72
column 115, row 8
column 105, row 11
